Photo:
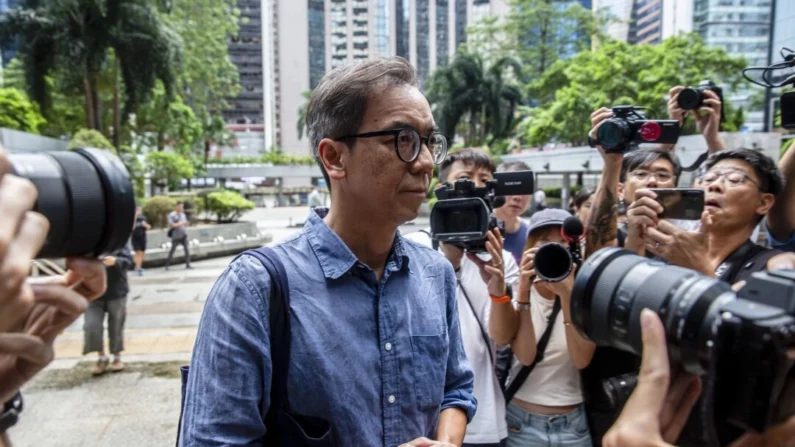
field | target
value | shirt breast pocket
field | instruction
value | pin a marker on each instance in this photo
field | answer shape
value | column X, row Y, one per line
column 429, row 354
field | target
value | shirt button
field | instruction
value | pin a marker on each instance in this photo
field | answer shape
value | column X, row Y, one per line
column 388, row 346
column 391, row 399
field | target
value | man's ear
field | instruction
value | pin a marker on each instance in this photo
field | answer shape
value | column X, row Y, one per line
column 766, row 201
column 333, row 155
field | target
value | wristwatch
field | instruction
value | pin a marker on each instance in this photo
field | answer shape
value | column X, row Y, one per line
column 522, row 306
column 11, row 411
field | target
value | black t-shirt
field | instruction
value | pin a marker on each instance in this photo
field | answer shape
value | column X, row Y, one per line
column 139, row 232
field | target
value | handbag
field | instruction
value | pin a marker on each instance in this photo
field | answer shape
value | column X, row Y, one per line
column 284, row 427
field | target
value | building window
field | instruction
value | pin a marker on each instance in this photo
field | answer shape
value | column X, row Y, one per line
column 339, row 33
column 423, row 39
column 382, row 28
column 460, row 22
column 317, row 42
column 442, row 32
column 402, row 29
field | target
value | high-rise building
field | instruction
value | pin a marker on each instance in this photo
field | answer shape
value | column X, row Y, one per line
column 646, row 21
column 245, row 51
column 742, row 28
column 7, row 52
column 309, row 37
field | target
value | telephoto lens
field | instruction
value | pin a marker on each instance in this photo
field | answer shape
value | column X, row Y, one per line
column 553, row 262
column 87, row 196
column 614, row 285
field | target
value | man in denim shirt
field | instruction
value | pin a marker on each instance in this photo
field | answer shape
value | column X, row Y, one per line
column 376, row 345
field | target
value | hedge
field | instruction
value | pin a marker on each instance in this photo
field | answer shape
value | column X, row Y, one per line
column 227, row 206
column 555, row 192
column 156, row 210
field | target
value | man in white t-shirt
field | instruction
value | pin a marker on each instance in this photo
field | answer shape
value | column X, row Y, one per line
column 476, row 288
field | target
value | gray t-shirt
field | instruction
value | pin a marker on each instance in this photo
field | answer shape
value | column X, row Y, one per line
column 179, row 232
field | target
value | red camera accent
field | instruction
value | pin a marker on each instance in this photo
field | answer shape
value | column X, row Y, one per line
column 650, row 131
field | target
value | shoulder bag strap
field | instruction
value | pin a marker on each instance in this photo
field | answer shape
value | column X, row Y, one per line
column 483, row 332
column 434, row 242
column 542, row 346
column 737, row 259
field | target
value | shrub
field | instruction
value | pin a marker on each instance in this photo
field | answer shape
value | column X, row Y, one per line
column 194, row 205
column 227, row 206
column 157, row 208
column 553, row 192
column 89, row 138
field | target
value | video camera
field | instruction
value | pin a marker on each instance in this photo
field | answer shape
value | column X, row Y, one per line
column 743, row 342
column 87, row 196
column 464, row 213
column 779, row 75
column 629, row 127
column 554, row 262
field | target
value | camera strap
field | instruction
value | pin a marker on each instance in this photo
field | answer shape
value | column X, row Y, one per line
column 696, row 164
column 483, row 332
column 434, row 242
column 542, row 346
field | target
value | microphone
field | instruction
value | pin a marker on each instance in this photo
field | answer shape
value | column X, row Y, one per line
column 573, row 229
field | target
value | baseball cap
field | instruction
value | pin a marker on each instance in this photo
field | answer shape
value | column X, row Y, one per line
column 548, row 217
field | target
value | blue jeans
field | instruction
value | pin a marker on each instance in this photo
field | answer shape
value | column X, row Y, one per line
column 526, row 429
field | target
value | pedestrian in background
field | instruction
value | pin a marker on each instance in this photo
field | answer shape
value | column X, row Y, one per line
column 139, row 239
column 113, row 303
column 177, row 231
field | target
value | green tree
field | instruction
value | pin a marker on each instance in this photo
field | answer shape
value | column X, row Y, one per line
column 484, row 97
column 619, row 73
column 166, row 121
column 18, row 112
column 168, row 168
column 13, row 75
column 302, row 114
column 89, row 138
column 536, row 32
column 78, row 34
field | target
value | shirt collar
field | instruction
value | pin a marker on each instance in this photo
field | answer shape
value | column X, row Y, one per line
column 334, row 256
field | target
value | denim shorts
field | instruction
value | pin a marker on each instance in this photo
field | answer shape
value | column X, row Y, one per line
column 526, row 429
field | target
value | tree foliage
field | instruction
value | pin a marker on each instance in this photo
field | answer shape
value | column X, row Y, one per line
column 89, row 138
column 228, row 206
column 18, row 112
column 621, row 74
column 168, row 167
column 78, row 34
column 301, row 125
column 536, row 32
column 483, row 96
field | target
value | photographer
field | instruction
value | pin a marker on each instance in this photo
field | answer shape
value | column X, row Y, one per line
column 707, row 117
column 477, row 281
column 656, row 412
column 32, row 313
column 548, row 405
column 582, row 202
column 516, row 229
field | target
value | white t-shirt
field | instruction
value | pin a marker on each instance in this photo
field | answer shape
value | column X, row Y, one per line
column 489, row 424
column 555, row 381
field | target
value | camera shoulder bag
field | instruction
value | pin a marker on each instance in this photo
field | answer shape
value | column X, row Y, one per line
column 524, row 373
column 284, row 428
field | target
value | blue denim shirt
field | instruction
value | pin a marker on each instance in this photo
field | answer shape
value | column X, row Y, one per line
column 378, row 360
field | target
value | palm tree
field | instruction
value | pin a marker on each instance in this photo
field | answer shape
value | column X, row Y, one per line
column 301, row 126
column 76, row 35
column 467, row 88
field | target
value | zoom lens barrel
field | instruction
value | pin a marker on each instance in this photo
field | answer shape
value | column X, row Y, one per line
column 87, row 196
column 553, row 262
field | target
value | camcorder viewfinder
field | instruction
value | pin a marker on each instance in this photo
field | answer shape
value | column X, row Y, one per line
column 464, row 213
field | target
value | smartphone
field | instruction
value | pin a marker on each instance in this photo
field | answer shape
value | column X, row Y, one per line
column 681, row 203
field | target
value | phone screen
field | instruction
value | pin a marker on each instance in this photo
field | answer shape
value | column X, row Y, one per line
column 681, row 203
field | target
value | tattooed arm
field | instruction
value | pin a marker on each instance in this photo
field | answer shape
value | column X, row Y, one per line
column 604, row 215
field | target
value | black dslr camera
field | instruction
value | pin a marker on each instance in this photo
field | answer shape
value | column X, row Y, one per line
column 463, row 215
column 629, row 127
column 741, row 342
column 554, row 262
column 692, row 98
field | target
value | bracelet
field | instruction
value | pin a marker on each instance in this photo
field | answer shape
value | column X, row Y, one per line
column 11, row 411
column 500, row 299
column 522, row 306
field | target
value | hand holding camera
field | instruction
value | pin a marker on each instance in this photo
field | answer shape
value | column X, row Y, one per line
column 492, row 272
column 705, row 103
column 527, row 273
column 625, row 127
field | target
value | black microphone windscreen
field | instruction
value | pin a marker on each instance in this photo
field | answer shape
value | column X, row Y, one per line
column 573, row 228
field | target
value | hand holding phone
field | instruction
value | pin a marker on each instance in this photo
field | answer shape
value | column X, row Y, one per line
column 680, row 203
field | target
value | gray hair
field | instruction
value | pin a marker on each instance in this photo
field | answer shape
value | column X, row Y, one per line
column 339, row 102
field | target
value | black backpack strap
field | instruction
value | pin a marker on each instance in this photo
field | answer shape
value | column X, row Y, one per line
column 542, row 346
column 279, row 322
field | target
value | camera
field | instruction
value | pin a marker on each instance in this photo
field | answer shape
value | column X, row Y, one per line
column 692, row 98
column 739, row 341
column 629, row 127
column 464, row 213
column 554, row 262
column 87, row 196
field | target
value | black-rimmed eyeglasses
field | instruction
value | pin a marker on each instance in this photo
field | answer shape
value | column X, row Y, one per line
column 408, row 143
